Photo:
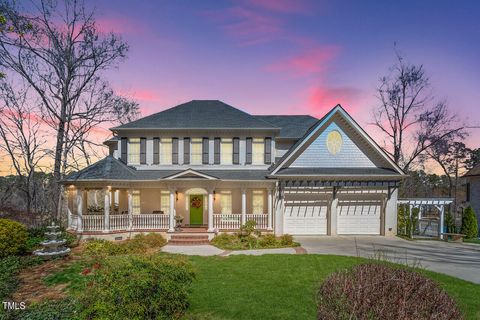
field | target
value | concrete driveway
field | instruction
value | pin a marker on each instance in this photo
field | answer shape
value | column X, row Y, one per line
column 455, row 259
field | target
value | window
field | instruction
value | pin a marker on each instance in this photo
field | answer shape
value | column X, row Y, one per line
column 136, row 202
column 468, row 192
column 165, row 202
column 226, row 150
column 196, row 151
column 134, row 151
column 226, row 202
column 258, row 148
column 166, row 151
column 257, row 202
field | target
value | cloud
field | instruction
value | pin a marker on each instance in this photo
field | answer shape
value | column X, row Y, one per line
column 120, row 25
column 282, row 6
column 143, row 95
column 310, row 61
column 320, row 99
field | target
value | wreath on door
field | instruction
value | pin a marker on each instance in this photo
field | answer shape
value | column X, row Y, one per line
column 196, row 202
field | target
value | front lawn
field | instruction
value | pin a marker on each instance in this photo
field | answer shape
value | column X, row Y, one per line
column 271, row 286
column 476, row 241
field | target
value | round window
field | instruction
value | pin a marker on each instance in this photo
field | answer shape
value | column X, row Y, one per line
column 334, row 142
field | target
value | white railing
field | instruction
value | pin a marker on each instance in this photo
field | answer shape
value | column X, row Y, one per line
column 227, row 221
column 73, row 222
column 260, row 219
column 150, row 221
column 93, row 222
column 119, row 222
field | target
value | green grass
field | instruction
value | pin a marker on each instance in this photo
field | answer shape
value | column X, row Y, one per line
column 270, row 286
column 477, row 241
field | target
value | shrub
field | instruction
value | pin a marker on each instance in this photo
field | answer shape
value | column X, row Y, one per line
column 147, row 241
column 151, row 287
column 378, row 291
column 449, row 222
column 268, row 240
column 13, row 238
column 9, row 268
column 247, row 229
column 138, row 244
column 469, row 223
column 227, row 241
column 286, row 240
column 103, row 248
column 64, row 309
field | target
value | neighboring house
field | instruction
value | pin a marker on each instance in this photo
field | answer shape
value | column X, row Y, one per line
column 218, row 167
column 472, row 182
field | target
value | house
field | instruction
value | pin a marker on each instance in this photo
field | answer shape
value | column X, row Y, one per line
column 218, row 167
column 472, row 183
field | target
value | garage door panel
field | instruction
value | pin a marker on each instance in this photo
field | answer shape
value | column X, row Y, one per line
column 358, row 218
column 306, row 217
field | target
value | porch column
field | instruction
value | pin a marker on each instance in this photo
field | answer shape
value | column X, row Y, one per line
column 333, row 213
column 106, row 213
column 130, row 208
column 244, row 206
column 442, row 214
column 80, row 210
column 269, row 206
column 210, row 209
column 171, row 211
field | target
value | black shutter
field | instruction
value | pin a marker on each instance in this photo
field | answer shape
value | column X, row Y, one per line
column 249, row 150
column 268, row 150
column 143, row 150
column 205, row 145
column 186, row 150
column 156, row 149
column 216, row 151
column 236, row 150
column 174, row 150
column 468, row 192
column 123, row 146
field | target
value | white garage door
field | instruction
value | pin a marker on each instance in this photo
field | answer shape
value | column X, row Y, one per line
column 305, row 217
column 356, row 217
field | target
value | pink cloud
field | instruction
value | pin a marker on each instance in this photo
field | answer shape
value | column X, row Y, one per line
column 320, row 99
column 283, row 6
column 309, row 62
column 145, row 95
column 121, row 25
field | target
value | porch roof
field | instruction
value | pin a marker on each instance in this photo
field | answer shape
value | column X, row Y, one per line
column 338, row 172
column 111, row 169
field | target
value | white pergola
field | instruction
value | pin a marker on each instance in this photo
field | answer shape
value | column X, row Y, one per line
column 438, row 203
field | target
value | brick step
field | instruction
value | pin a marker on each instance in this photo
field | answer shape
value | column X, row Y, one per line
column 188, row 237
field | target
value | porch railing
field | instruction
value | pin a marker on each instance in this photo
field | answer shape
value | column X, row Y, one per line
column 93, row 222
column 150, row 221
column 227, row 221
column 119, row 222
column 96, row 222
column 260, row 219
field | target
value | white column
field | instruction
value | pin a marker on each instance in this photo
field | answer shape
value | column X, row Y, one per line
column 244, row 206
column 80, row 210
column 333, row 213
column 442, row 214
column 171, row 211
column 106, row 210
column 269, row 205
column 130, row 209
column 210, row 210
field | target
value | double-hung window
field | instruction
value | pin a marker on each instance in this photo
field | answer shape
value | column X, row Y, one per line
column 166, row 151
column 196, row 151
column 258, row 151
column 257, row 202
column 136, row 202
column 165, row 202
column 226, row 151
column 134, row 151
column 226, row 202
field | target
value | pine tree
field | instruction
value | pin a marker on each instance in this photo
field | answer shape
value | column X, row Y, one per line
column 469, row 223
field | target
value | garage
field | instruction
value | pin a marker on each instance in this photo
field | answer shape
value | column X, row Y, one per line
column 359, row 217
column 305, row 214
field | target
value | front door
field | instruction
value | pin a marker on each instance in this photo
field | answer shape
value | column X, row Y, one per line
column 196, row 210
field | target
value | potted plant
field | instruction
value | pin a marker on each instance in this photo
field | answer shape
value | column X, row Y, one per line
column 178, row 222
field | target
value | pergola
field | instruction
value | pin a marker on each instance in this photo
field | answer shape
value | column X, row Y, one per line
column 438, row 203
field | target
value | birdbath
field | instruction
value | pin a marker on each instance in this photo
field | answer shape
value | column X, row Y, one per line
column 52, row 246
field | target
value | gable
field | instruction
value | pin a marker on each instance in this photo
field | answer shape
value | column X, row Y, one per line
column 190, row 174
column 333, row 148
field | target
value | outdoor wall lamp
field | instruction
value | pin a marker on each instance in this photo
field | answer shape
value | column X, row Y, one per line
column 214, row 195
column 176, row 195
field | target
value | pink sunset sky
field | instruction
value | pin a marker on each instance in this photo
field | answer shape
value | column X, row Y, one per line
column 292, row 57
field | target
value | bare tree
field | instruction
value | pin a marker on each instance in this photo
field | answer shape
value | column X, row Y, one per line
column 22, row 139
column 408, row 117
column 57, row 49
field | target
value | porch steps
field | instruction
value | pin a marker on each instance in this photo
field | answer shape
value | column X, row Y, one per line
column 188, row 239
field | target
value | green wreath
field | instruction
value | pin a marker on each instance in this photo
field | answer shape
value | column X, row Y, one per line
column 196, row 202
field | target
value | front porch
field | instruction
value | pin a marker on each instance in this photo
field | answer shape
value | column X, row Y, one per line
column 221, row 208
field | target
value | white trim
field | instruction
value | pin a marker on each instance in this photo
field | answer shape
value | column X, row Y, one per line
column 190, row 171
column 350, row 120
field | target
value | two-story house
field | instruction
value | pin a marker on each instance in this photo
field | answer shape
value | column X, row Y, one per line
column 217, row 167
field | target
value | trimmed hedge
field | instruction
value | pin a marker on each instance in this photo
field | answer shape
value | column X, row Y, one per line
column 378, row 291
column 13, row 238
column 138, row 287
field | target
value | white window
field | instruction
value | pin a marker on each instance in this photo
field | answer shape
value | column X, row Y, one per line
column 134, row 151
column 226, row 151
column 136, row 202
column 257, row 202
column 165, row 202
column 166, row 151
column 196, row 151
column 226, row 202
column 258, row 150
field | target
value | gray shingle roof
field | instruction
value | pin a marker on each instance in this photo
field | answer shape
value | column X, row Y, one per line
column 475, row 171
column 291, row 126
column 110, row 168
column 336, row 172
column 199, row 114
